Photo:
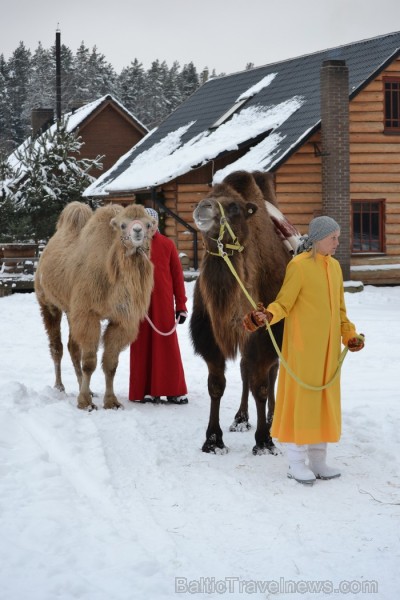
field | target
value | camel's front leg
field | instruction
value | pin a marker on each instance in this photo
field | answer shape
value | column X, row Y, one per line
column 216, row 387
column 85, row 330
column 89, row 363
column 263, row 389
column 115, row 340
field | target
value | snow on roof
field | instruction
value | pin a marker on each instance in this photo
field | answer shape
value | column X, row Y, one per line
column 255, row 159
column 254, row 89
column 167, row 159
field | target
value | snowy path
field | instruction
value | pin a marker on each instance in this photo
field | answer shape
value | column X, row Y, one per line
column 116, row 505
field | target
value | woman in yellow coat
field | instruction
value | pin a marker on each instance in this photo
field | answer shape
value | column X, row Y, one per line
column 311, row 301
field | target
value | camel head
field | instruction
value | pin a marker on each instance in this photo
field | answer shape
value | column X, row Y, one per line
column 135, row 228
column 223, row 203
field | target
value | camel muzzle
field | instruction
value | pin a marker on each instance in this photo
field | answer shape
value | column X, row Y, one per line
column 204, row 215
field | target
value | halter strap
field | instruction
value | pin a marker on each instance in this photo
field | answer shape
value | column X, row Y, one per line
column 224, row 224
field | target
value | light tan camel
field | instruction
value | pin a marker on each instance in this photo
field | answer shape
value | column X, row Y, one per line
column 95, row 267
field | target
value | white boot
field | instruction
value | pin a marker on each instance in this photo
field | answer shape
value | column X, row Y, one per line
column 297, row 464
column 317, row 462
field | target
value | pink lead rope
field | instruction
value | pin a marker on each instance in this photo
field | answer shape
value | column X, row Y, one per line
column 150, row 322
column 157, row 330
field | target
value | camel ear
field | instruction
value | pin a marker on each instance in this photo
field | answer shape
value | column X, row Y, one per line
column 114, row 223
column 251, row 209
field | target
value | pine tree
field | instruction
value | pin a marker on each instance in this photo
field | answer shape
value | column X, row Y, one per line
column 47, row 177
column 172, row 90
column 7, row 131
column 9, row 222
column 67, row 77
column 93, row 76
column 40, row 91
column 157, row 104
column 19, row 70
column 132, row 89
column 189, row 80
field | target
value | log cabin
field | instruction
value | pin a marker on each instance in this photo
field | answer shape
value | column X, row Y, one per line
column 327, row 125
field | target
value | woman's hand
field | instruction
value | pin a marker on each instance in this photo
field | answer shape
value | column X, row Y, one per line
column 256, row 318
column 356, row 343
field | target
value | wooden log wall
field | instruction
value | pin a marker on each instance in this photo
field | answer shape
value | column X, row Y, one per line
column 299, row 185
column 182, row 198
column 375, row 156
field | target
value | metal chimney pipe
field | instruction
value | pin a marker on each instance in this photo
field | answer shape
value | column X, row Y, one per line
column 58, row 75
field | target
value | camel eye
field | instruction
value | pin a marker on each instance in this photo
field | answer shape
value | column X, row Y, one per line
column 233, row 209
column 123, row 225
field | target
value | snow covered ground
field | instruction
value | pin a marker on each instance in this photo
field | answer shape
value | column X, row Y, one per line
column 124, row 505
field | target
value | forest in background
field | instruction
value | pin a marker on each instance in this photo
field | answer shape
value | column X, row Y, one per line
column 28, row 81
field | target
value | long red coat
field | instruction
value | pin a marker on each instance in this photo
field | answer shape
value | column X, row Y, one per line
column 155, row 360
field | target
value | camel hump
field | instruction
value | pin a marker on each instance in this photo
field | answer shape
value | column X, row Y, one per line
column 256, row 186
column 266, row 183
column 74, row 216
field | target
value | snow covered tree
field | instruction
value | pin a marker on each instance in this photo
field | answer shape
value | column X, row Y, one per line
column 156, row 101
column 40, row 91
column 93, row 76
column 189, row 80
column 19, row 69
column 171, row 88
column 132, row 89
column 48, row 175
column 7, row 132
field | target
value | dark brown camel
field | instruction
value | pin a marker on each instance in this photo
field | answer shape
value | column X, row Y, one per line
column 219, row 303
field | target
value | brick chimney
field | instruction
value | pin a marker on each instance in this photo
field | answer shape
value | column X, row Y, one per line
column 41, row 119
column 336, row 153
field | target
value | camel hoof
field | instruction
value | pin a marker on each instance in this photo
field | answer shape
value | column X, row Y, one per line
column 112, row 404
column 85, row 403
column 60, row 387
column 265, row 448
column 240, row 426
column 88, row 407
column 214, row 446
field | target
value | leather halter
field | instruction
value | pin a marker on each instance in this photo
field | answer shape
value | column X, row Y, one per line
column 222, row 248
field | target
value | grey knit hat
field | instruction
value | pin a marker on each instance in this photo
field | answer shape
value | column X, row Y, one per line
column 318, row 229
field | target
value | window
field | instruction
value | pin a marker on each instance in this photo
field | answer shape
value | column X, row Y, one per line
column 391, row 87
column 228, row 113
column 367, row 226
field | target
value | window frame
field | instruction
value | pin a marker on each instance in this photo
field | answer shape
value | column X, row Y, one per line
column 388, row 128
column 382, row 213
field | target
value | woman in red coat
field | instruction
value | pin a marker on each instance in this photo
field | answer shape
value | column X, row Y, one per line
column 155, row 360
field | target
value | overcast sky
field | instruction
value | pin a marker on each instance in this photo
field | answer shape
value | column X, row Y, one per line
column 223, row 35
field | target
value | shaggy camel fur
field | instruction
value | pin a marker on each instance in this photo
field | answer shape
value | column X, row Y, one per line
column 220, row 304
column 95, row 267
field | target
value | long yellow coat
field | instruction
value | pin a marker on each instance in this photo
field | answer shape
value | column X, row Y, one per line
column 311, row 301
